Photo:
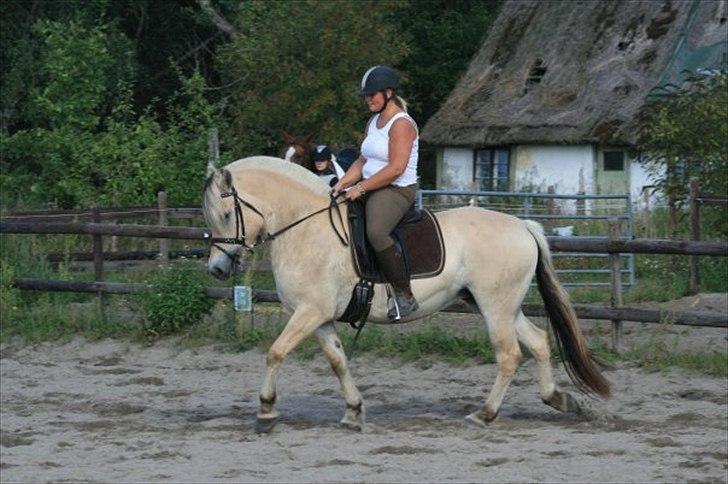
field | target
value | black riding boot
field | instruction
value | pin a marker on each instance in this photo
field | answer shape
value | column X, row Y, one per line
column 391, row 263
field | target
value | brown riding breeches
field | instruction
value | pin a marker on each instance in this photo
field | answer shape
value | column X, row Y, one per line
column 385, row 207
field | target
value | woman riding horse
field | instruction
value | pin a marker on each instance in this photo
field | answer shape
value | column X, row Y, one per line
column 386, row 175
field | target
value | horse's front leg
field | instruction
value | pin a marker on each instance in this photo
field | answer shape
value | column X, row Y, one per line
column 334, row 351
column 303, row 322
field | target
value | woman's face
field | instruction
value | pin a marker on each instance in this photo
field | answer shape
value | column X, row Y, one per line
column 375, row 101
column 321, row 165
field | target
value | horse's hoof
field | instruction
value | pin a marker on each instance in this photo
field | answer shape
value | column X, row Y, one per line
column 355, row 426
column 481, row 418
column 265, row 425
column 563, row 402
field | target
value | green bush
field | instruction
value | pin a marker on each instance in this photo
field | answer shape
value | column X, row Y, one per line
column 176, row 300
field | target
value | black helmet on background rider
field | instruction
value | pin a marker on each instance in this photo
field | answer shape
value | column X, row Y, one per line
column 378, row 78
column 321, row 153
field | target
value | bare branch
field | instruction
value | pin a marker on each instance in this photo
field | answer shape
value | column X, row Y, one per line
column 216, row 18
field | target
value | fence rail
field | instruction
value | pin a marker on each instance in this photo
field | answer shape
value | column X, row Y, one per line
column 584, row 311
column 610, row 247
column 597, row 245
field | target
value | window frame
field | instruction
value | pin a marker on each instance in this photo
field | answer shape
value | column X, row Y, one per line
column 498, row 183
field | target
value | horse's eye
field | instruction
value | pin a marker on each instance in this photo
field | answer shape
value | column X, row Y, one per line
column 227, row 216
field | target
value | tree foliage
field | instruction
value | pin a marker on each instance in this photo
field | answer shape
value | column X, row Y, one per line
column 685, row 134
column 443, row 37
column 295, row 66
column 89, row 152
column 109, row 101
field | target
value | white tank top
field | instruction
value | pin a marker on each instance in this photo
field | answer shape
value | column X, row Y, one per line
column 375, row 148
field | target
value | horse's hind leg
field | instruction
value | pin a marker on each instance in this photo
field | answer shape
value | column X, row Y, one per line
column 334, row 351
column 502, row 332
column 536, row 340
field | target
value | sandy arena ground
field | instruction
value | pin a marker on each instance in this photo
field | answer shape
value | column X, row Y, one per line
column 115, row 411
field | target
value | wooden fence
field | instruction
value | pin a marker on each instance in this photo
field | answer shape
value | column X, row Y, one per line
column 696, row 200
column 614, row 245
column 584, row 311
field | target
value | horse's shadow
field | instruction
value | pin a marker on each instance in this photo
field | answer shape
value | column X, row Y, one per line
column 305, row 411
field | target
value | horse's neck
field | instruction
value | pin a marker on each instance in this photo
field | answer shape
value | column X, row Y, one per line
column 282, row 200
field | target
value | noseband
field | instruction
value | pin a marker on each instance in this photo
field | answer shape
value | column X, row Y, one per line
column 240, row 237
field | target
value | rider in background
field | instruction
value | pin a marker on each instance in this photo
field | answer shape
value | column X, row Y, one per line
column 323, row 165
column 386, row 175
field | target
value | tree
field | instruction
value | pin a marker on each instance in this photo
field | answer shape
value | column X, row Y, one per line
column 685, row 134
column 296, row 66
column 443, row 36
column 90, row 146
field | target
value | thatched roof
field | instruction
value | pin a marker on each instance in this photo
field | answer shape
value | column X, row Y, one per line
column 575, row 72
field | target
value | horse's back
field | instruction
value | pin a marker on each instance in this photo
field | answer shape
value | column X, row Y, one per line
column 482, row 239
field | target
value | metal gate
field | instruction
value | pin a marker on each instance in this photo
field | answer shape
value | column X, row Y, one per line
column 586, row 215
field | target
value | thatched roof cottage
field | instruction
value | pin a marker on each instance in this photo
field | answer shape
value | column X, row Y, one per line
column 553, row 95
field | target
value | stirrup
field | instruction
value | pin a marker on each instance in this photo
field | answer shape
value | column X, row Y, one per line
column 399, row 308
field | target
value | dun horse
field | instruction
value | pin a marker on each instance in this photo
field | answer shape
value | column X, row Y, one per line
column 491, row 258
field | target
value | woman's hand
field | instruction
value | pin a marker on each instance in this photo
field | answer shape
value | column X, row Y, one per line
column 354, row 192
column 338, row 189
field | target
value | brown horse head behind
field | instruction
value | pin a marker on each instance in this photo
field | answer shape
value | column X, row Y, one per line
column 299, row 149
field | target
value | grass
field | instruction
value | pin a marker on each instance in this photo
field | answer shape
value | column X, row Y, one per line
column 46, row 320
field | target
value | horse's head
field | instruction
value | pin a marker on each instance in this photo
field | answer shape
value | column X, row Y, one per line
column 298, row 149
column 229, row 214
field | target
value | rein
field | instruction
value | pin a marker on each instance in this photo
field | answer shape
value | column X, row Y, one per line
column 240, row 237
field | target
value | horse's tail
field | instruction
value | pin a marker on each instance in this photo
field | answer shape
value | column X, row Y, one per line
column 580, row 364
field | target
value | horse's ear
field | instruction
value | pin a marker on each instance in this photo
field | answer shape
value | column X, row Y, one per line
column 211, row 170
column 287, row 137
column 227, row 178
column 308, row 138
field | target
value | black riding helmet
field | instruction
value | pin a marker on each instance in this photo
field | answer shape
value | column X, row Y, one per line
column 378, row 78
column 321, row 153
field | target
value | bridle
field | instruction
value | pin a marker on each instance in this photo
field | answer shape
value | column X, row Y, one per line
column 240, row 237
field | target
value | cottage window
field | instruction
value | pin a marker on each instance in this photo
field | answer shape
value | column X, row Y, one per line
column 492, row 169
column 614, row 161
column 536, row 73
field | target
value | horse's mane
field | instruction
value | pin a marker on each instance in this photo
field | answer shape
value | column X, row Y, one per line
column 279, row 167
column 275, row 166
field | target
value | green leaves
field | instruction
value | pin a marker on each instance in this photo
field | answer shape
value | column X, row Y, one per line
column 176, row 300
column 75, row 62
column 685, row 134
column 296, row 67
column 89, row 153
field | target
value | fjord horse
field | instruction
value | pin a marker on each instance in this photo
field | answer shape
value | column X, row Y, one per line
column 491, row 259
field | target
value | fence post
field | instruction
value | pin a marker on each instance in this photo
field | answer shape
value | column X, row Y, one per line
column 114, row 238
column 162, row 210
column 213, row 146
column 551, row 203
column 581, row 204
column 98, row 252
column 615, row 261
column 693, row 269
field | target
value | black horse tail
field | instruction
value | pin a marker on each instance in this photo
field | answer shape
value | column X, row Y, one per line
column 575, row 354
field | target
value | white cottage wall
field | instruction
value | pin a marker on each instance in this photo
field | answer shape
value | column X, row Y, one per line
column 455, row 170
column 570, row 169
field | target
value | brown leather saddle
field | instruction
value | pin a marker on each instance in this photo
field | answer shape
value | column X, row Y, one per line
column 417, row 236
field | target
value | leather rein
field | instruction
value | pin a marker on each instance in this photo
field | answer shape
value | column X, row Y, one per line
column 240, row 237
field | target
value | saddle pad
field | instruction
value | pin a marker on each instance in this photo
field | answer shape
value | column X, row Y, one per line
column 421, row 243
